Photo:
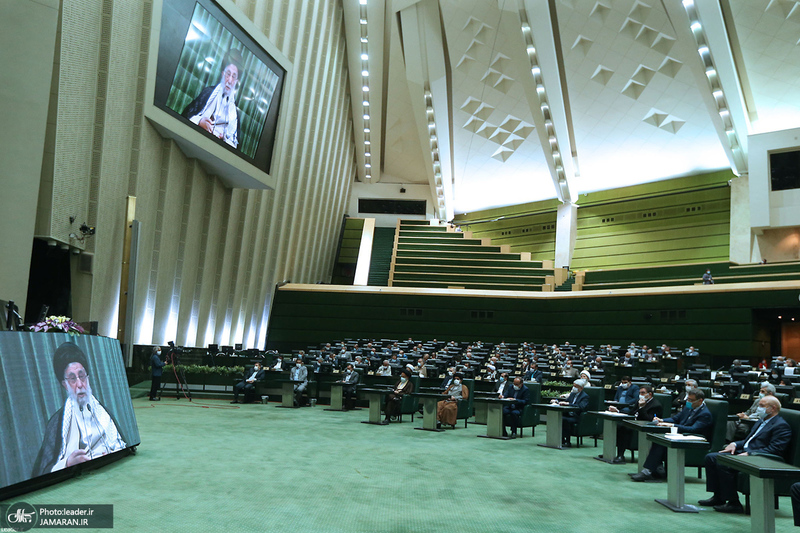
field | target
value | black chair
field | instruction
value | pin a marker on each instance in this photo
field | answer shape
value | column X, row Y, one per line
column 591, row 426
column 719, row 411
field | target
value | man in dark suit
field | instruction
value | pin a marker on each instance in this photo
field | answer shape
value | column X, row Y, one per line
column 512, row 412
column 646, row 408
column 696, row 420
column 248, row 384
column 350, row 380
column 533, row 373
column 627, row 394
column 156, row 366
column 770, row 435
column 502, row 385
column 680, row 400
column 448, row 379
column 578, row 399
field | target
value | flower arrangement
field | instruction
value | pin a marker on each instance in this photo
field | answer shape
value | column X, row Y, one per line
column 58, row 324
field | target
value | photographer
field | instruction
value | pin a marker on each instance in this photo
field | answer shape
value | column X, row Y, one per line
column 156, row 366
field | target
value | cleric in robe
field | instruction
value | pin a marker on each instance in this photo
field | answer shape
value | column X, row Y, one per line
column 82, row 429
column 214, row 109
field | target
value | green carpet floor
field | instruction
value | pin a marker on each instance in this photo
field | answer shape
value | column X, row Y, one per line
column 261, row 468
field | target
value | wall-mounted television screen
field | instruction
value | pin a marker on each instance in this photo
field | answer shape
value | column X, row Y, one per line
column 213, row 76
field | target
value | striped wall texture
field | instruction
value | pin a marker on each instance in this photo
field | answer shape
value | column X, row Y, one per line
column 209, row 256
column 668, row 222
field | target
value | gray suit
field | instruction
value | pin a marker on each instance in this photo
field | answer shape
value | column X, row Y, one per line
column 299, row 374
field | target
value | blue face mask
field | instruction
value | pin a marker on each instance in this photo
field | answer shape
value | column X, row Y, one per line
column 688, row 404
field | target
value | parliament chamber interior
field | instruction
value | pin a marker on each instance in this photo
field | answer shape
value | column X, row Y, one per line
column 401, row 265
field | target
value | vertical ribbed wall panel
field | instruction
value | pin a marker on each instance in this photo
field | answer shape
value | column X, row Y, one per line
column 209, row 257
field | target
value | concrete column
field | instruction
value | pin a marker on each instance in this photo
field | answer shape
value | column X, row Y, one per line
column 741, row 239
column 566, row 230
column 27, row 38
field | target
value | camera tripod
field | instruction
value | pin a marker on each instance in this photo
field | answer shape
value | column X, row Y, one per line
column 180, row 376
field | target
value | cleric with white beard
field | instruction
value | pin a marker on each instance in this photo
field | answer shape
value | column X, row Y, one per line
column 82, row 429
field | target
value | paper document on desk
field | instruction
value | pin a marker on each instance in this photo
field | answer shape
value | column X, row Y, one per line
column 679, row 436
column 612, row 413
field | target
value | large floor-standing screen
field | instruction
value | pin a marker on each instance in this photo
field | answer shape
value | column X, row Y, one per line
column 64, row 402
column 213, row 76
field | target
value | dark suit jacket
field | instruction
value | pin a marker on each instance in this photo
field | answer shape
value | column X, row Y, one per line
column 698, row 421
column 773, row 438
column 521, row 397
column 446, row 383
column 156, row 364
column 579, row 400
column 629, row 395
column 533, row 375
column 249, row 372
column 646, row 411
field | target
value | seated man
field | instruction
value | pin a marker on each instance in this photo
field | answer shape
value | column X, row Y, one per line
column 771, row 435
column 384, row 369
column 680, row 400
column 695, row 419
column 534, row 374
column 512, row 412
column 447, row 409
column 646, row 409
column 502, row 386
column 578, row 399
column 626, row 394
column 569, row 371
column 248, row 384
column 737, row 430
column 299, row 373
column 350, row 380
column 448, row 378
column 278, row 363
column 401, row 388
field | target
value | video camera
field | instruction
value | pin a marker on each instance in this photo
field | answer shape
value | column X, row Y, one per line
column 173, row 353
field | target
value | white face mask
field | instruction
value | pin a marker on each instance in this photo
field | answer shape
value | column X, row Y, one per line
column 298, row 365
column 688, row 388
column 457, row 382
column 624, row 385
column 403, row 379
column 159, row 353
column 642, row 398
column 761, row 395
column 574, row 390
column 517, row 387
column 761, row 412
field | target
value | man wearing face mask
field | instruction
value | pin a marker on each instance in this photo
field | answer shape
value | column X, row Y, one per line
column 393, row 399
column 694, row 419
column 770, row 436
column 580, row 401
column 569, row 371
column 707, row 278
column 680, row 401
column 513, row 411
column 627, row 394
column 502, row 386
column 248, row 384
column 350, row 380
column 299, row 373
column 534, row 374
column 646, row 409
column 156, row 366
column 738, row 429
column 447, row 409
column 448, row 379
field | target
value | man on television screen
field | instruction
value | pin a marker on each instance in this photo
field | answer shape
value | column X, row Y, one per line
column 82, row 429
column 214, row 109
